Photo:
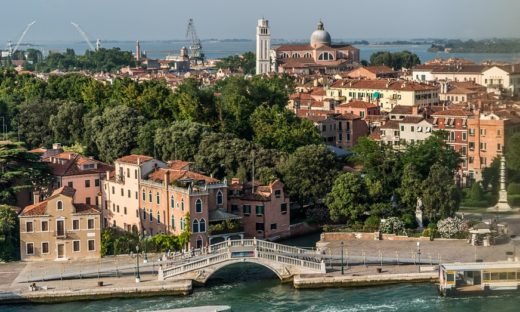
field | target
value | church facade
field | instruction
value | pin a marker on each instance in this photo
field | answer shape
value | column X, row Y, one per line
column 319, row 56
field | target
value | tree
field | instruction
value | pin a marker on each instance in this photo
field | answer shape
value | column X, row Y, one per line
column 245, row 63
column 348, row 198
column 194, row 103
column 491, row 176
column 33, row 122
column 397, row 60
column 9, row 234
column 115, row 132
column 441, row 198
column 20, row 171
column 309, row 173
column 67, row 124
column 146, row 137
column 410, row 189
column 513, row 152
column 279, row 128
column 476, row 192
column 180, row 141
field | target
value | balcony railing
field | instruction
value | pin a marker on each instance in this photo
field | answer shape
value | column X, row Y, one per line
column 60, row 234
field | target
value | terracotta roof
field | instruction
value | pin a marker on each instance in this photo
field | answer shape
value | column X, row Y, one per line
column 179, row 164
column 379, row 69
column 391, row 124
column 511, row 69
column 348, row 116
column 158, row 175
column 453, row 112
column 40, row 208
column 411, row 119
column 64, row 190
column 401, row 109
column 457, row 90
column 134, row 159
column 294, row 47
column 318, row 92
column 69, row 164
column 86, row 209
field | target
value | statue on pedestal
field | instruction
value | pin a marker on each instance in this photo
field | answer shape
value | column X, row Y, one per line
column 419, row 213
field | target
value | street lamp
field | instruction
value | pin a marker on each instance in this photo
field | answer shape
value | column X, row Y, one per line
column 137, row 275
column 342, row 270
column 145, row 241
column 419, row 252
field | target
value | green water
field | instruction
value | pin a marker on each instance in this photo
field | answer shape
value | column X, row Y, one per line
column 249, row 287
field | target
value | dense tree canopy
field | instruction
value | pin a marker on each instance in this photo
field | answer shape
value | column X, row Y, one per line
column 245, row 63
column 9, row 241
column 396, row 60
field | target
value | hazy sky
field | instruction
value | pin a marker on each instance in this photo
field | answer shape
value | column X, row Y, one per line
column 290, row 19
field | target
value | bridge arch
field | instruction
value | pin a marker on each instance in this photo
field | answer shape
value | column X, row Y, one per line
column 217, row 267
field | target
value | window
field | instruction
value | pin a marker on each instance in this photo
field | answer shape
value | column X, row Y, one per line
column 91, row 246
column 273, row 226
column 45, row 247
column 411, row 128
column 498, row 132
column 202, row 226
column 75, row 224
column 452, row 136
column 29, row 248
column 124, row 210
column 144, row 214
column 172, row 202
column 96, row 182
column 144, row 195
column 277, row 193
column 198, row 206
column 483, row 146
column 471, row 146
column 283, row 208
column 246, row 209
column 402, row 128
column 220, row 198
column 182, row 204
column 45, row 226
column 482, row 132
column 87, row 183
column 136, row 195
column 135, row 174
column 499, row 147
column 150, row 196
column 464, row 136
column 259, row 226
column 158, row 218
column 113, row 190
column 259, row 210
column 128, row 172
column 87, row 200
column 157, row 198
column 117, row 208
column 59, row 205
column 122, row 192
column 150, row 215
column 234, row 208
column 195, row 226
column 75, row 246
column 325, row 56
column 129, row 193
column 181, row 222
column 29, row 227
column 173, row 223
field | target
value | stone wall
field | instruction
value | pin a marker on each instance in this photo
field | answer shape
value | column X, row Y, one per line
column 341, row 236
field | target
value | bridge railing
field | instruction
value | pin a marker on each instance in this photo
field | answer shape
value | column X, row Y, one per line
column 193, row 265
column 318, row 266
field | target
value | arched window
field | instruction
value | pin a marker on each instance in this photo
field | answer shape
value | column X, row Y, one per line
column 307, row 55
column 181, row 222
column 158, row 218
column 220, row 198
column 173, row 223
column 295, row 55
column 150, row 215
column 195, row 227
column 150, row 196
column 172, row 202
column 198, row 206
column 325, row 56
column 182, row 204
column 158, row 198
column 59, row 205
column 202, row 226
column 284, row 55
column 144, row 195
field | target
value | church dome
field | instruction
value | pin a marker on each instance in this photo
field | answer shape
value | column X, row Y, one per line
column 320, row 37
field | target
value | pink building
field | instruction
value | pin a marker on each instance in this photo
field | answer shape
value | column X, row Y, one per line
column 264, row 208
column 79, row 172
column 360, row 108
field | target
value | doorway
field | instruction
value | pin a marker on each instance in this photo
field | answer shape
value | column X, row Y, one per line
column 61, row 251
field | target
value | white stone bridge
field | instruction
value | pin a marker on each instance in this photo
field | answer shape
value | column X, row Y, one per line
column 285, row 261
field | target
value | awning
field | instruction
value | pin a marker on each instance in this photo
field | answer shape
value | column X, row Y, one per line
column 221, row 215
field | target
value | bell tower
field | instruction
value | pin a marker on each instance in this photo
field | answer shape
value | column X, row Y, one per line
column 263, row 47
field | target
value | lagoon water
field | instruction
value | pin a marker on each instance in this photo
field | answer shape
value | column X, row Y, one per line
column 219, row 49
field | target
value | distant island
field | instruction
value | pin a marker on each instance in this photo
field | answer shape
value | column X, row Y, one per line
column 476, row 46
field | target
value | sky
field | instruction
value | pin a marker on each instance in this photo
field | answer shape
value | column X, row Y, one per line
column 289, row 19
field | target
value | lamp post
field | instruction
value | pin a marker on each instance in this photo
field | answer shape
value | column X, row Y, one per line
column 137, row 275
column 342, row 270
column 145, row 241
column 419, row 252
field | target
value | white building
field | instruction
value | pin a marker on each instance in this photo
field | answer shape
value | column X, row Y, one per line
column 263, row 47
column 502, row 79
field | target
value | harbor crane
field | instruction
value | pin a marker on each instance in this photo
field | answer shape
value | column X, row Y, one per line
column 86, row 38
column 9, row 44
column 196, row 53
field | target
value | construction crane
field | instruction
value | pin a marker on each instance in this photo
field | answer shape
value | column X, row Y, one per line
column 85, row 37
column 9, row 44
column 196, row 53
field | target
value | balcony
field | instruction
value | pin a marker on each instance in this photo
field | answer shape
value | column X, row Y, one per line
column 60, row 234
column 120, row 179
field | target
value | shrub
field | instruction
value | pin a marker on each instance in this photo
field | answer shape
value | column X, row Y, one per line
column 513, row 189
column 514, row 200
column 476, row 193
column 426, row 232
column 392, row 225
column 409, row 221
column 452, row 227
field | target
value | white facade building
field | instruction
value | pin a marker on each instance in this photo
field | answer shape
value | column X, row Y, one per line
column 263, row 47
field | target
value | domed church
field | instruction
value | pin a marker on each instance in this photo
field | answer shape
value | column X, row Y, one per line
column 319, row 56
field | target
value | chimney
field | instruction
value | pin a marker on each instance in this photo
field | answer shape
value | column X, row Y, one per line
column 415, row 110
column 36, row 197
